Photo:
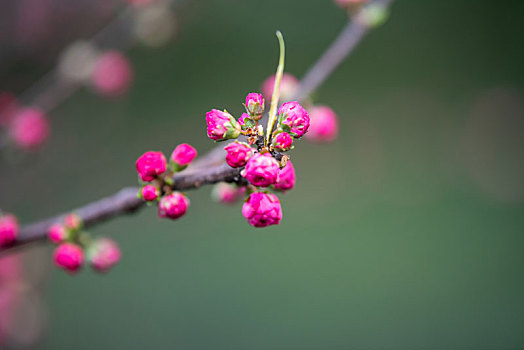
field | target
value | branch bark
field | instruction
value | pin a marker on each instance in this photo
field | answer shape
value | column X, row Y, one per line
column 210, row 168
column 126, row 201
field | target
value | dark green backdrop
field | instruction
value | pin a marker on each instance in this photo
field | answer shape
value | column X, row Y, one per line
column 405, row 233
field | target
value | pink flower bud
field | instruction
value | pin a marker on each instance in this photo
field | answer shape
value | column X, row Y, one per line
column 227, row 193
column 262, row 209
column 29, row 128
column 69, row 257
column 350, row 4
column 288, row 87
column 150, row 165
column 183, row 154
column 261, row 170
column 238, row 153
column 57, row 233
column 221, row 125
column 149, row 193
column 286, row 178
column 282, row 142
column 8, row 229
column 293, row 118
column 324, row 124
column 112, row 74
column 255, row 105
column 242, row 119
column 73, row 221
column 103, row 254
column 173, row 206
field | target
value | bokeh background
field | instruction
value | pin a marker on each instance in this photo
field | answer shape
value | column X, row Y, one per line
column 404, row 233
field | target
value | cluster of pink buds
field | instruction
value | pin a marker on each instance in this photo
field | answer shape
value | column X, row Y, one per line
column 156, row 176
column 323, row 120
column 265, row 165
column 72, row 242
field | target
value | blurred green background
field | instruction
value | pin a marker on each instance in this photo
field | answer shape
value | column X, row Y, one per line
column 405, row 233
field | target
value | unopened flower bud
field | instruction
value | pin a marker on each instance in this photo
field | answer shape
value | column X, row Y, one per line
column 57, row 233
column 288, row 87
column 286, row 178
column 282, row 142
column 238, row 153
column 69, row 257
column 183, row 155
column 261, row 170
column 73, row 222
column 351, row 5
column 173, row 206
column 293, row 118
column 373, row 15
column 255, row 105
column 77, row 61
column 29, row 128
column 242, row 119
column 112, row 74
column 324, row 124
column 150, row 165
column 227, row 193
column 262, row 209
column 221, row 125
column 103, row 254
column 8, row 229
column 149, row 193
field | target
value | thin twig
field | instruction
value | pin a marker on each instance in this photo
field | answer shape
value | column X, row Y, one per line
column 208, row 169
column 126, row 201
column 343, row 45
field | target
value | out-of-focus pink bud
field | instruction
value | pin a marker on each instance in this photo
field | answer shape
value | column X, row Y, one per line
column 8, row 229
column 150, row 164
column 282, row 142
column 238, row 153
column 288, row 87
column 112, row 74
column 227, row 193
column 293, row 118
column 324, row 124
column 221, row 125
column 173, row 206
column 149, row 193
column 57, row 233
column 286, row 178
column 262, row 209
column 73, row 222
column 261, row 170
column 255, row 105
column 29, row 128
column 183, row 155
column 69, row 257
column 103, row 254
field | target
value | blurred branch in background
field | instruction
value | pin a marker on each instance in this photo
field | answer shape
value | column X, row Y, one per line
column 119, row 34
column 210, row 168
column 96, row 63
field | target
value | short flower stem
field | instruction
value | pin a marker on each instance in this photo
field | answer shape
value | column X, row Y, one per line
column 276, row 88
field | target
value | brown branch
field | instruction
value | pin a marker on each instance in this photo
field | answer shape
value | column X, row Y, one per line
column 126, row 201
column 210, row 168
column 344, row 44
